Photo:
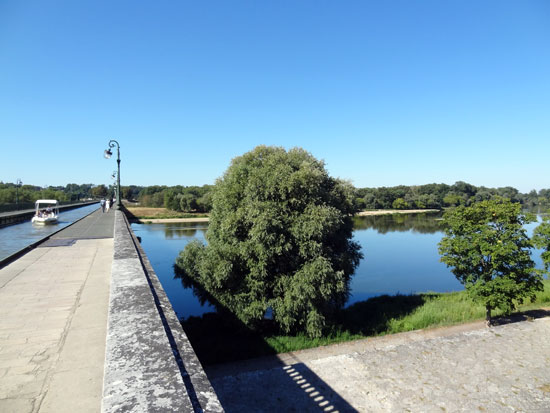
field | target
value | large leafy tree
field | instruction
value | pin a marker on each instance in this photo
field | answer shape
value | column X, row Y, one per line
column 489, row 251
column 279, row 238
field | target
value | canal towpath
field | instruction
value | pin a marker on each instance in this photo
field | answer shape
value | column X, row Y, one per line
column 53, row 319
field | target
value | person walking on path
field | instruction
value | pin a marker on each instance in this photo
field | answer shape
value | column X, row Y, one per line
column 102, row 202
column 108, row 205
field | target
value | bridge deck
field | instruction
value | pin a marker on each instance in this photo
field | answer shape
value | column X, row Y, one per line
column 53, row 318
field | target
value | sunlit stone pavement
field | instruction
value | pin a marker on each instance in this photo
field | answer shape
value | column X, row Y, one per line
column 469, row 369
column 54, row 303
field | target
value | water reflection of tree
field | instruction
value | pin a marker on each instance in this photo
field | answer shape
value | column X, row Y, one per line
column 425, row 223
column 198, row 290
column 179, row 231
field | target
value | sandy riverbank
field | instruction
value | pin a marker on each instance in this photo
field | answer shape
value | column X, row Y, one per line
column 395, row 211
column 362, row 213
column 170, row 220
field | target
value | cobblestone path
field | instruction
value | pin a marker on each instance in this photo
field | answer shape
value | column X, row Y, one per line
column 501, row 369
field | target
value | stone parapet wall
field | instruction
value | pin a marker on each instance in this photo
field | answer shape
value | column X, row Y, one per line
column 149, row 363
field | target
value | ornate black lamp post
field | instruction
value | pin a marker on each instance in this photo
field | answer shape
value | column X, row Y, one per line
column 113, row 176
column 17, row 185
column 107, row 155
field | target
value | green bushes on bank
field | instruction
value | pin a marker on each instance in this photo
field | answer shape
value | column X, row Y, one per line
column 217, row 339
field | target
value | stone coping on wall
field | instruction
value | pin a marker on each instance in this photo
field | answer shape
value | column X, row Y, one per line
column 149, row 362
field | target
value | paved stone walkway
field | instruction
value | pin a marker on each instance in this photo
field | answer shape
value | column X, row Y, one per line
column 501, row 369
column 53, row 318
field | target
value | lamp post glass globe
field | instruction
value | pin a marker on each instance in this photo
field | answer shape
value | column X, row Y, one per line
column 107, row 153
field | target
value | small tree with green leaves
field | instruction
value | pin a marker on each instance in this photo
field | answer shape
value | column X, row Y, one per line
column 279, row 238
column 488, row 249
column 541, row 239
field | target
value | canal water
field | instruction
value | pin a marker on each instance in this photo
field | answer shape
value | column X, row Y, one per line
column 400, row 256
column 16, row 237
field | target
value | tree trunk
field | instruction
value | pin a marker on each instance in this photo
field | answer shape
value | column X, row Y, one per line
column 488, row 315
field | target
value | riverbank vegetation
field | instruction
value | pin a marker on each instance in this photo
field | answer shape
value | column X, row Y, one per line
column 177, row 198
column 220, row 338
column 430, row 196
column 199, row 198
column 439, row 196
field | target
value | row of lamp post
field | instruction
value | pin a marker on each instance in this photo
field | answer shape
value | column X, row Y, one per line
column 108, row 153
column 113, row 176
column 17, row 185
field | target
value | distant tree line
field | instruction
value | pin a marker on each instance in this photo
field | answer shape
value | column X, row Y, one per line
column 11, row 193
column 439, row 196
column 430, row 196
column 199, row 198
column 177, row 198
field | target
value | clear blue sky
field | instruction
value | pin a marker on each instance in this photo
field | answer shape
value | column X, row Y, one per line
column 386, row 92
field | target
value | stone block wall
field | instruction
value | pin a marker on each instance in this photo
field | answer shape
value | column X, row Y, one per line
column 150, row 365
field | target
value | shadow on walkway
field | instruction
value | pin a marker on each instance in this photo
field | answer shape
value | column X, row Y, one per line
column 529, row 315
column 265, row 384
column 283, row 388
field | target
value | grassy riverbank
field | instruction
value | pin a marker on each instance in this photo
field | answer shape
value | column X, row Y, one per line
column 218, row 340
column 395, row 314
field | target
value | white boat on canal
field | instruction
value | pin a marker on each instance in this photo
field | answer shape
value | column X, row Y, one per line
column 46, row 212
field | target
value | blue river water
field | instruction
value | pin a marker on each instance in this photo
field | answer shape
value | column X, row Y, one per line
column 18, row 236
column 162, row 244
column 400, row 256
